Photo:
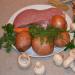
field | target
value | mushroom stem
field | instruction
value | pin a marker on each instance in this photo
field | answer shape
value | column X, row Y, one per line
column 68, row 61
column 72, row 66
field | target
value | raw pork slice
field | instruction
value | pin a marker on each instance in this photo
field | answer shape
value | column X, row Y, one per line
column 32, row 16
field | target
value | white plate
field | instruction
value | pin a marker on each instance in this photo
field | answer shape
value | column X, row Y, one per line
column 40, row 7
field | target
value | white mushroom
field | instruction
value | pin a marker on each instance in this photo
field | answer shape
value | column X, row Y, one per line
column 72, row 66
column 24, row 60
column 39, row 68
column 58, row 59
column 70, row 59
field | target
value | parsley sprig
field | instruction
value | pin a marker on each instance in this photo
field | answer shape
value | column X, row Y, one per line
column 50, row 32
column 8, row 37
column 71, row 45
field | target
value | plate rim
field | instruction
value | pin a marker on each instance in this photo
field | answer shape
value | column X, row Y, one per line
column 27, row 7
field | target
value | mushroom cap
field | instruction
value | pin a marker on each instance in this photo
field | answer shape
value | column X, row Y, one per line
column 58, row 59
column 38, row 64
column 24, row 60
column 39, row 68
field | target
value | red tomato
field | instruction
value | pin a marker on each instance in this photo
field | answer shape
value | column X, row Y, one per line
column 62, row 39
column 59, row 22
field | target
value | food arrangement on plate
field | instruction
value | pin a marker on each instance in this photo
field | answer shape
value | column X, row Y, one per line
column 43, row 29
column 40, row 31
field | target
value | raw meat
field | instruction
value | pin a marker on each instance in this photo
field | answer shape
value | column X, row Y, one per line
column 32, row 16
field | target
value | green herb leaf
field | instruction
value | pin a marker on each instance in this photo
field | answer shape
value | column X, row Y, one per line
column 69, row 46
column 50, row 32
column 8, row 38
